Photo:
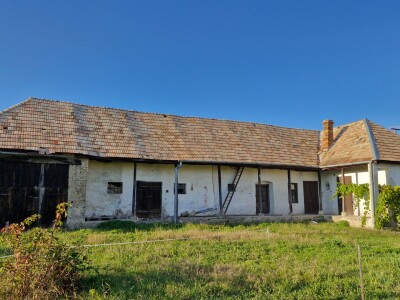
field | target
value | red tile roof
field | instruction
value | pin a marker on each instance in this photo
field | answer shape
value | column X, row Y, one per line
column 62, row 127
column 359, row 142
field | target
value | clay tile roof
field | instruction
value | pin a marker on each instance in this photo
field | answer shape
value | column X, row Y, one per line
column 62, row 127
column 351, row 144
column 360, row 142
column 387, row 143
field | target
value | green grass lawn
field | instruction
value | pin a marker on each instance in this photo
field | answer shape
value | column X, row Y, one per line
column 263, row 261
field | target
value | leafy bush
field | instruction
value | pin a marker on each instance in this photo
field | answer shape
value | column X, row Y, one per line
column 388, row 208
column 42, row 267
column 360, row 191
column 342, row 223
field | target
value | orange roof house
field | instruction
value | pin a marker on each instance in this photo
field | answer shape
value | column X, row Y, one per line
column 82, row 153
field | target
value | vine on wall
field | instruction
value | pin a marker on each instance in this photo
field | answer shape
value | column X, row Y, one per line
column 360, row 191
column 387, row 212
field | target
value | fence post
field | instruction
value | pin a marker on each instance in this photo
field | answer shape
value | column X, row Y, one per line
column 361, row 272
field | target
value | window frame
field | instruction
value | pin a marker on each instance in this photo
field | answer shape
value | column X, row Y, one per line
column 115, row 187
column 181, row 188
column 294, row 192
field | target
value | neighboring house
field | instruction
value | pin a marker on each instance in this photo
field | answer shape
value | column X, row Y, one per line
column 113, row 163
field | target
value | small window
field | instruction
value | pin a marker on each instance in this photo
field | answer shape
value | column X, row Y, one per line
column 231, row 187
column 114, row 188
column 293, row 188
column 181, row 188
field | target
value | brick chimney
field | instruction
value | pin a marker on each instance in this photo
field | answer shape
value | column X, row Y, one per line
column 327, row 134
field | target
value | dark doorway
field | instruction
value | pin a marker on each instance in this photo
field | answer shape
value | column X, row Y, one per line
column 348, row 200
column 30, row 188
column 148, row 199
column 311, row 200
column 263, row 207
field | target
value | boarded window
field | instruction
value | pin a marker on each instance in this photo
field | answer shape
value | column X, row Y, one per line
column 114, row 188
column 181, row 188
column 294, row 193
column 231, row 187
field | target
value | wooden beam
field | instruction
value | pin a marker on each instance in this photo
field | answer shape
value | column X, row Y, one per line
column 290, row 192
column 259, row 189
column 343, row 208
column 134, row 190
column 220, row 190
column 319, row 191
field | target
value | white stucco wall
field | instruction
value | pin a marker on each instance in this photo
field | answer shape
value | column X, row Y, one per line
column 358, row 175
column 201, row 188
column 392, row 173
column 299, row 177
column 98, row 201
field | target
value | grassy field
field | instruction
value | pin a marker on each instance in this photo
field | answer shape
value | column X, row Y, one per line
column 263, row 261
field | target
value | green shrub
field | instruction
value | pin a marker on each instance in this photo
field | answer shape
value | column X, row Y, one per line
column 42, row 266
column 388, row 208
column 342, row 223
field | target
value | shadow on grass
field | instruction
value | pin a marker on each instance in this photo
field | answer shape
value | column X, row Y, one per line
column 129, row 226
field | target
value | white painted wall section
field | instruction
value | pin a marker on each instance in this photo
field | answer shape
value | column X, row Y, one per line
column 358, row 175
column 98, row 201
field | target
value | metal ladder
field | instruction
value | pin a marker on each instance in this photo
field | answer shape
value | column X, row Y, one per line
column 230, row 194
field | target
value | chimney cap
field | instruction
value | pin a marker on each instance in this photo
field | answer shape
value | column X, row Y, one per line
column 327, row 121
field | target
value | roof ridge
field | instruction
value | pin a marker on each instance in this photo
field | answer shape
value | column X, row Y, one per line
column 371, row 137
column 16, row 105
column 172, row 115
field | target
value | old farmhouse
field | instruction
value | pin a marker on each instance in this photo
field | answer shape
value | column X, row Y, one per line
column 120, row 164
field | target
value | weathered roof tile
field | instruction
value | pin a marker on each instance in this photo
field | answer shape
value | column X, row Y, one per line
column 64, row 127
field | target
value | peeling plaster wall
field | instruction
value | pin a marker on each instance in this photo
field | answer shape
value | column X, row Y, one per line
column 299, row 177
column 77, row 182
column 160, row 173
column 202, row 191
column 244, row 199
column 358, row 175
column 98, row 201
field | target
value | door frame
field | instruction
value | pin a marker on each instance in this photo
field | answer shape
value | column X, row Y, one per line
column 312, row 209
column 149, row 213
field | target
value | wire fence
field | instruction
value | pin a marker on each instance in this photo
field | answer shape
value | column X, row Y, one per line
column 362, row 253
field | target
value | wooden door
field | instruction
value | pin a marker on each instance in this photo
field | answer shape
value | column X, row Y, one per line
column 148, row 199
column 348, row 200
column 21, row 188
column 263, row 207
column 311, row 199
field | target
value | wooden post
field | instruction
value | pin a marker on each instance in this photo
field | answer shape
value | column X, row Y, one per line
column 319, row 193
column 41, row 189
column 373, row 190
column 343, row 208
column 290, row 192
column 361, row 272
column 176, row 201
column 259, row 190
column 134, row 190
column 220, row 190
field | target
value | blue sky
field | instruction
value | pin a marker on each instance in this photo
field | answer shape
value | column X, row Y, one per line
column 288, row 63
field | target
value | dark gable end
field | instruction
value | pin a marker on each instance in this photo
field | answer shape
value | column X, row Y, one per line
column 62, row 127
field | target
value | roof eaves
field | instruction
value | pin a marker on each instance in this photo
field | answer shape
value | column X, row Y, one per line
column 354, row 164
column 374, row 148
